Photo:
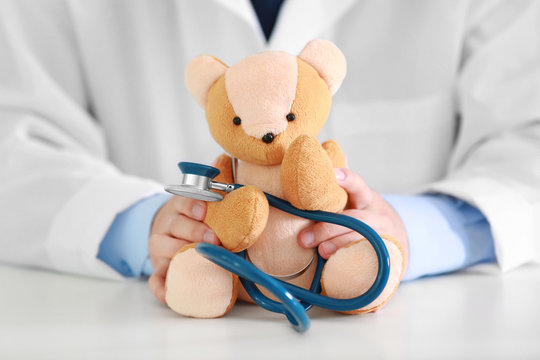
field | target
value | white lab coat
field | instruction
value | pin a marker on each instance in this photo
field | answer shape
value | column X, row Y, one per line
column 94, row 114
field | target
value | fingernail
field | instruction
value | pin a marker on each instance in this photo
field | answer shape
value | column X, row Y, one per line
column 307, row 238
column 328, row 247
column 209, row 236
column 340, row 174
column 198, row 210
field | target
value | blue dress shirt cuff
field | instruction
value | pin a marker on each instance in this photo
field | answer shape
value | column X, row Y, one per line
column 445, row 234
column 125, row 246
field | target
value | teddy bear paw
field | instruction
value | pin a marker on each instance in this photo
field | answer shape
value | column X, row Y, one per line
column 240, row 218
column 308, row 177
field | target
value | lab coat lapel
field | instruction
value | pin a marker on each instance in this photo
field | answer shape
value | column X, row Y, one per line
column 307, row 20
column 244, row 10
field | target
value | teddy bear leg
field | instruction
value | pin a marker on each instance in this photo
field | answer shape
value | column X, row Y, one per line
column 197, row 287
column 240, row 218
column 352, row 270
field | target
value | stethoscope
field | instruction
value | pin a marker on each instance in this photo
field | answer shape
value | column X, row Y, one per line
column 197, row 183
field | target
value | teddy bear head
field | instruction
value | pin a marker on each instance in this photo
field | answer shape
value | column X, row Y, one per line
column 257, row 107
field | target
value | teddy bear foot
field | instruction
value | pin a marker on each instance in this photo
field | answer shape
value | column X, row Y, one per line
column 351, row 271
column 197, row 287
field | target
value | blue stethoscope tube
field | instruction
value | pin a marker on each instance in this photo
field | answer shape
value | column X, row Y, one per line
column 290, row 294
column 295, row 301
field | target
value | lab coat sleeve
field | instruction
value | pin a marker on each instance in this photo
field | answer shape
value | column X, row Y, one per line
column 58, row 192
column 496, row 164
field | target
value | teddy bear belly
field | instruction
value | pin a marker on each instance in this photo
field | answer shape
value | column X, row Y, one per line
column 277, row 251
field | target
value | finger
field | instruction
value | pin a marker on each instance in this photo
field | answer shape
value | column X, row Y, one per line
column 157, row 286
column 165, row 246
column 184, row 227
column 195, row 209
column 161, row 265
column 329, row 247
column 157, row 261
column 156, row 282
column 360, row 194
column 315, row 234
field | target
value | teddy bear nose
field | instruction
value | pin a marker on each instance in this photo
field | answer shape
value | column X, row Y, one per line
column 268, row 138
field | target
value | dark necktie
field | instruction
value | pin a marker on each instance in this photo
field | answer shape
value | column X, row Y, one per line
column 267, row 12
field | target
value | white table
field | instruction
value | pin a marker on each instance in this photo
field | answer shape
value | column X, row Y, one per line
column 466, row 315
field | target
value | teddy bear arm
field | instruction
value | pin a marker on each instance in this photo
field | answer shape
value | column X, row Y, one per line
column 239, row 219
column 224, row 164
column 308, row 179
column 334, row 152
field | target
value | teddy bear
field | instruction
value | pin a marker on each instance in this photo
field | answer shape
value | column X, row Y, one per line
column 265, row 112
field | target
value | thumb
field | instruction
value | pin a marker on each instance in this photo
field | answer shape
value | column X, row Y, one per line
column 360, row 194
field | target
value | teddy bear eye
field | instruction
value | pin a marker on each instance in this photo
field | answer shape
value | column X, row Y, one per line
column 237, row 121
column 291, row 117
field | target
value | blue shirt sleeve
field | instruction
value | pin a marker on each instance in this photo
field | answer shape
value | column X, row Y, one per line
column 445, row 234
column 125, row 246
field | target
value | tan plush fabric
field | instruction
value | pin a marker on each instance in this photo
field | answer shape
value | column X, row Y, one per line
column 334, row 152
column 224, row 164
column 351, row 271
column 197, row 287
column 236, row 226
column 240, row 218
column 232, row 138
column 290, row 98
column 308, row 177
column 200, row 74
column 328, row 60
column 310, row 107
column 261, row 89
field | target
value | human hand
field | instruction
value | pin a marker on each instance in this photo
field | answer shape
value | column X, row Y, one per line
column 176, row 224
column 364, row 204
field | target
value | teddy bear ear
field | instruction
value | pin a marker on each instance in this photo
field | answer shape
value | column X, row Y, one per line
column 201, row 73
column 328, row 60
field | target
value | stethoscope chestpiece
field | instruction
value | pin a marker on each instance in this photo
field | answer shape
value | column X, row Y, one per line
column 198, row 169
column 197, row 183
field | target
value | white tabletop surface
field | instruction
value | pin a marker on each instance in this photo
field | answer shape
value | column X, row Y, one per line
column 465, row 315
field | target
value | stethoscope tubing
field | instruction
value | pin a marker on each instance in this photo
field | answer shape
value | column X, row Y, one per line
column 289, row 305
column 289, row 293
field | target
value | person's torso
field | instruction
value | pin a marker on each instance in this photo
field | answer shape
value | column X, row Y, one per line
column 394, row 115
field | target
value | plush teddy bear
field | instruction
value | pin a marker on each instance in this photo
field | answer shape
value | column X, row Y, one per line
column 266, row 112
